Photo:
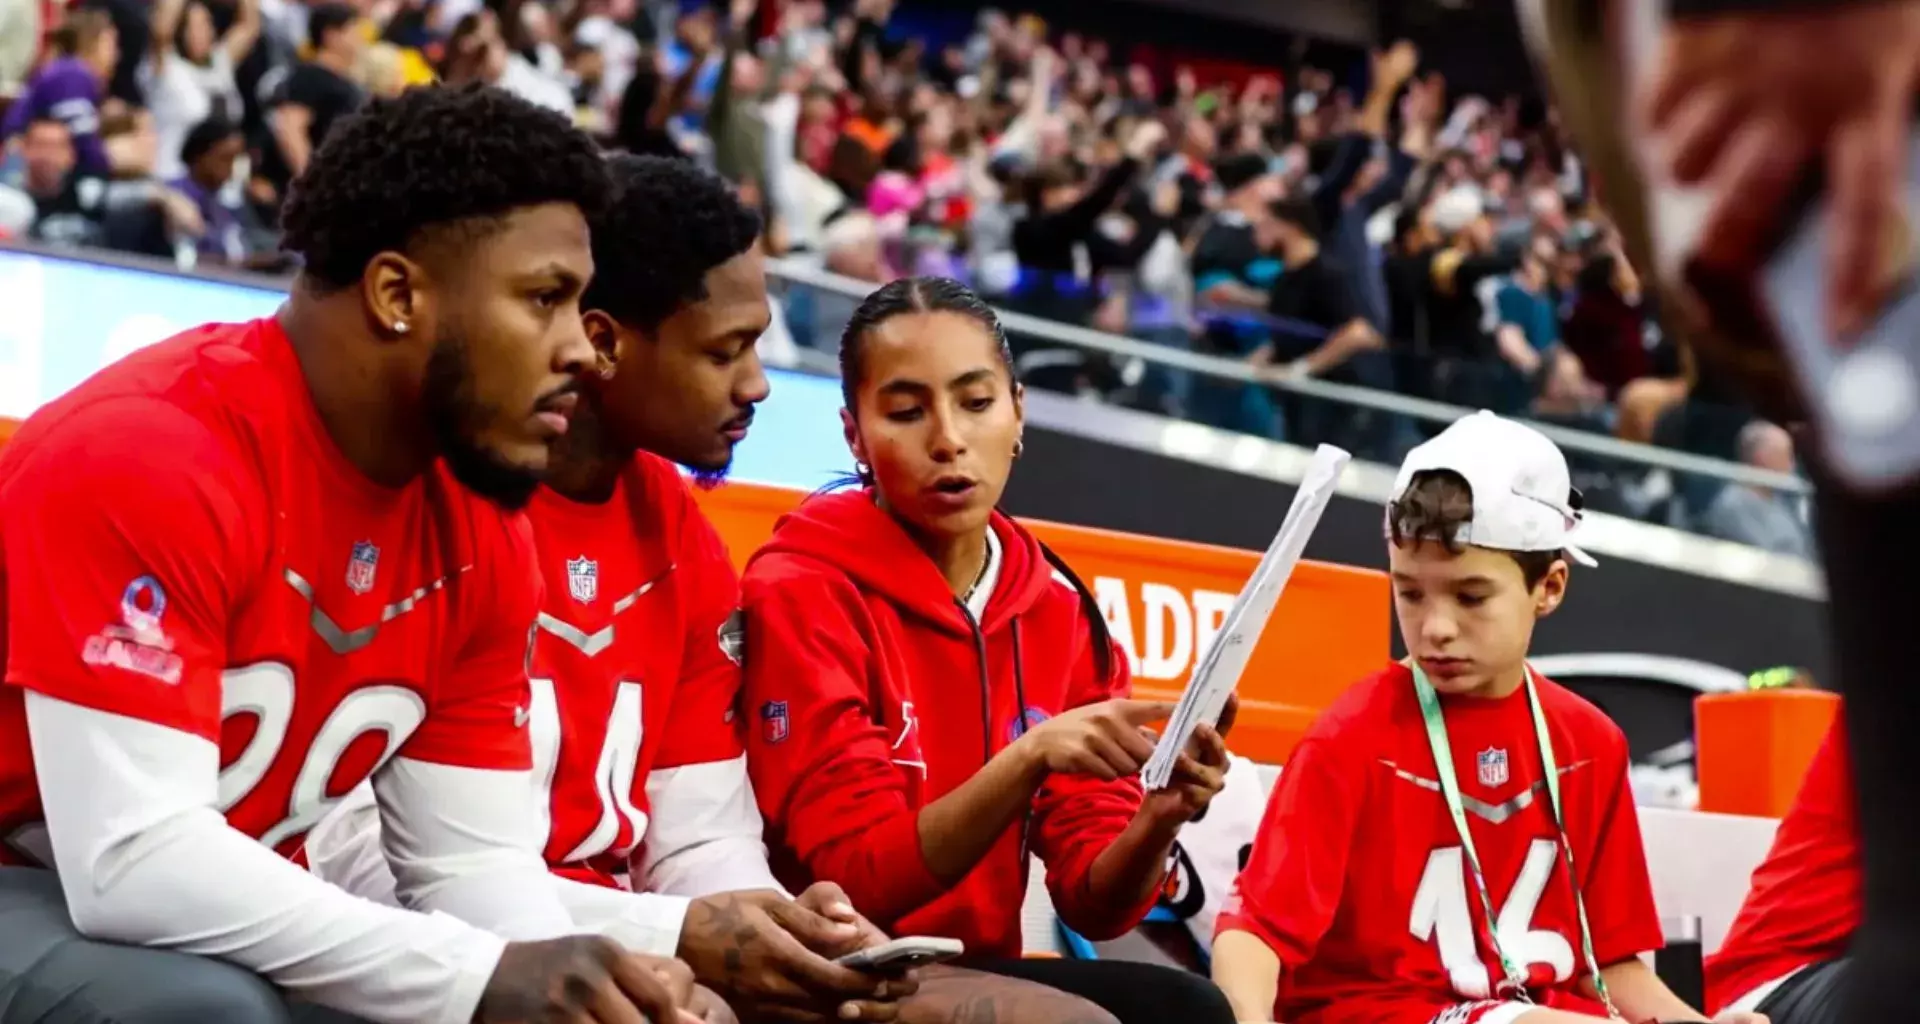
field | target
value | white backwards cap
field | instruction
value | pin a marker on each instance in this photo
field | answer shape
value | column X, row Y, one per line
column 1523, row 496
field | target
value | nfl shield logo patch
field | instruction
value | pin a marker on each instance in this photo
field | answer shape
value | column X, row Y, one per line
column 773, row 721
column 361, row 565
column 1493, row 767
column 583, row 579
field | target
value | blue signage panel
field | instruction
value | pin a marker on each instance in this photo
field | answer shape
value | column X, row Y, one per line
column 62, row 319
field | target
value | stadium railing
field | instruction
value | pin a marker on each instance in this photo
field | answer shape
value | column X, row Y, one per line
column 1647, row 482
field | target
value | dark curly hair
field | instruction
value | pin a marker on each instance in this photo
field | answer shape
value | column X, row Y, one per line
column 669, row 224
column 433, row 157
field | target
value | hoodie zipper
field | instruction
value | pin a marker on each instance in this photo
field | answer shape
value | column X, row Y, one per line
column 986, row 686
column 986, row 712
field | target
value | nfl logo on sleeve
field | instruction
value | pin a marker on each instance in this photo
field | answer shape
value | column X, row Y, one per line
column 773, row 721
column 583, row 579
column 361, row 565
column 1493, row 767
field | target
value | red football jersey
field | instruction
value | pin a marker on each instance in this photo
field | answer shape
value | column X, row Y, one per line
column 639, row 629
column 182, row 543
column 1358, row 881
column 1806, row 900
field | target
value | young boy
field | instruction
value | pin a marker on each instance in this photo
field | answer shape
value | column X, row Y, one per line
column 1454, row 841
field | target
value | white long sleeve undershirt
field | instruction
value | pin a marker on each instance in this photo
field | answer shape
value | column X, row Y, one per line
column 145, row 859
column 702, row 837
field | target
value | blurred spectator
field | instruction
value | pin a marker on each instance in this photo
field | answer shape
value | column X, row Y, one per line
column 1463, row 364
column 1365, row 174
column 1233, row 268
column 188, row 74
column 1525, row 325
column 382, row 70
column 1321, row 325
column 66, row 200
column 479, row 52
column 1314, row 292
column 75, row 208
column 1761, row 516
column 19, row 43
column 850, row 247
column 318, row 92
column 210, row 154
column 1061, row 216
column 68, row 88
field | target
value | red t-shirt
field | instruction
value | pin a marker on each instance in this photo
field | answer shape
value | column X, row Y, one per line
column 1357, row 879
column 1805, row 901
column 181, row 543
column 639, row 631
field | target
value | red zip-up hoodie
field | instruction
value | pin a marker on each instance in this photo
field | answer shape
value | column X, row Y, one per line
column 872, row 692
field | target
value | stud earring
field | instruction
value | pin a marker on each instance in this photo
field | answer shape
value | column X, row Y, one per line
column 399, row 327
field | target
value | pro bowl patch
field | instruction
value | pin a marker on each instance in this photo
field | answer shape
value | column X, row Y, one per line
column 1030, row 718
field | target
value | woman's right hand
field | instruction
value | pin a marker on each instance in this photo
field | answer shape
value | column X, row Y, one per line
column 1108, row 740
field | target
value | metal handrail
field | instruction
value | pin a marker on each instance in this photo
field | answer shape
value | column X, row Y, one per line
column 1085, row 338
column 1367, row 398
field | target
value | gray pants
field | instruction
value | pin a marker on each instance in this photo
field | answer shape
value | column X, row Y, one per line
column 49, row 974
column 1810, row 997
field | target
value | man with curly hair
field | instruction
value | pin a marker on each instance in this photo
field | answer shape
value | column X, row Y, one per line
column 241, row 574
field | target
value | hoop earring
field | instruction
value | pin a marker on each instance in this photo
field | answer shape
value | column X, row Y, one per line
column 1019, row 446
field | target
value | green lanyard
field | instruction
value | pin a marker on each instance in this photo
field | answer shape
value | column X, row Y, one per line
column 1450, row 791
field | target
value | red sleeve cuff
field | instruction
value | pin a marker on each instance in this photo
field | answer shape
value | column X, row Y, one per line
column 1245, row 920
column 897, row 880
column 1093, row 919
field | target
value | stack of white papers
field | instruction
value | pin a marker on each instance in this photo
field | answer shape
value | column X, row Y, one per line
column 1219, row 670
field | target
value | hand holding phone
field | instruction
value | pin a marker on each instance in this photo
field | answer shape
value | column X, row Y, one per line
column 903, row 954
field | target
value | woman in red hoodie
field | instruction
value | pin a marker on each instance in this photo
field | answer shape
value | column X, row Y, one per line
column 934, row 695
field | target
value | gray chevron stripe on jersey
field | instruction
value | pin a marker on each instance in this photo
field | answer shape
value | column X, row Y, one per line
column 592, row 644
column 343, row 641
column 1493, row 814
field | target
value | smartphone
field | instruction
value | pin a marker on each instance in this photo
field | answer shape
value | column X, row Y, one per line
column 903, row 954
column 1863, row 398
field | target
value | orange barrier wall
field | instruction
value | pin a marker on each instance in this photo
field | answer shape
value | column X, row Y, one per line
column 1754, row 748
column 1164, row 599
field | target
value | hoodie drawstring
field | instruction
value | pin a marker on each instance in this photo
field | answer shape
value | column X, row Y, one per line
column 1020, row 694
column 986, row 708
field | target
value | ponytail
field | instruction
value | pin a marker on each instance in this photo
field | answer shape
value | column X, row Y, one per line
column 1096, row 622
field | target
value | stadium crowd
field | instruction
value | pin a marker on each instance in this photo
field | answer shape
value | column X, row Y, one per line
column 437, row 503
column 1434, row 245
